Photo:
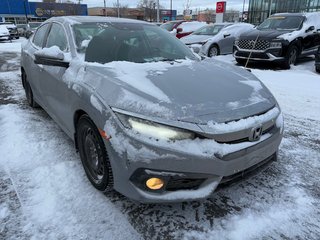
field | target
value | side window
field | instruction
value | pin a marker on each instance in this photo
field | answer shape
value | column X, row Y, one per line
column 57, row 37
column 39, row 35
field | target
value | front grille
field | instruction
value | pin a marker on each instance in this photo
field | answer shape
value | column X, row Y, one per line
column 253, row 55
column 252, row 45
column 248, row 172
column 175, row 184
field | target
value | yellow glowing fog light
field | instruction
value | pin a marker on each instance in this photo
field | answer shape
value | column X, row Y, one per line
column 155, row 183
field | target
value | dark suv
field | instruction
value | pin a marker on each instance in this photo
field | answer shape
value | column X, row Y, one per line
column 282, row 38
column 318, row 61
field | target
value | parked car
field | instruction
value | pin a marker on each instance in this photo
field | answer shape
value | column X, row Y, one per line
column 148, row 117
column 215, row 39
column 282, row 38
column 182, row 28
column 317, row 64
column 172, row 25
column 22, row 29
column 12, row 29
column 4, row 33
column 32, row 27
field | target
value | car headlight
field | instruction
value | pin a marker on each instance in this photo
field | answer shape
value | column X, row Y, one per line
column 154, row 130
column 275, row 45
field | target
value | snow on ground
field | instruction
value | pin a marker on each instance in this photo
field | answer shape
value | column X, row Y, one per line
column 44, row 193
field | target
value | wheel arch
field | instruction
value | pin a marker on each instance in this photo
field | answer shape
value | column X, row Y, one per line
column 76, row 116
column 212, row 45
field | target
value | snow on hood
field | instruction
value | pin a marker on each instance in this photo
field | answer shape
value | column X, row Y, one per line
column 185, row 90
column 193, row 38
column 136, row 75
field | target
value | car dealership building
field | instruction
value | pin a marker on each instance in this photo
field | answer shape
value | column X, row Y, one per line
column 259, row 10
column 17, row 10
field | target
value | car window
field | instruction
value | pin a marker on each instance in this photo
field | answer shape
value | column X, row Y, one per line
column 57, row 37
column 209, row 30
column 40, row 35
column 129, row 42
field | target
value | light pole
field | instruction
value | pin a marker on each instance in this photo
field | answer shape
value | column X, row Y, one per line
column 270, row 6
column 25, row 10
column 158, row 11
column 118, row 4
column 244, row 3
column 105, row 7
column 170, row 10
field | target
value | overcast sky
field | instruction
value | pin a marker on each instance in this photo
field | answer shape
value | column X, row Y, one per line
column 177, row 4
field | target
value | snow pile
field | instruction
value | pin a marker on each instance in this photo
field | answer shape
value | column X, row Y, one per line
column 14, row 46
column 191, row 26
column 252, row 223
column 58, row 201
column 220, row 128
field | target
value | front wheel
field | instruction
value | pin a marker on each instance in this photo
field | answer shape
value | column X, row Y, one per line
column 93, row 154
column 318, row 69
column 29, row 94
column 291, row 57
column 213, row 51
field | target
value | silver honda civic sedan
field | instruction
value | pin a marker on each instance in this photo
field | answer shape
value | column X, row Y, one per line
column 149, row 118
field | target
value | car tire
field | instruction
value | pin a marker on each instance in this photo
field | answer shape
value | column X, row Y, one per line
column 241, row 61
column 291, row 57
column 93, row 154
column 17, row 37
column 318, row 69
column 29, row 94
column 213, row 51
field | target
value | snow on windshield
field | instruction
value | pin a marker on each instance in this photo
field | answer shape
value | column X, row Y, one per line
column 191, row 26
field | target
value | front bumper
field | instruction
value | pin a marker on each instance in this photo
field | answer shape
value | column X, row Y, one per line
column 187, row 176
column 4, row 37
column 268, row 55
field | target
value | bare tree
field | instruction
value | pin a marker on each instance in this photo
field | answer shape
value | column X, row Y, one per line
column 123, row 9
column 150, row 9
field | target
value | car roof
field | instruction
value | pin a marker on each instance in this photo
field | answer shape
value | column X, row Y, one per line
column 297, row 14
column 88, row 19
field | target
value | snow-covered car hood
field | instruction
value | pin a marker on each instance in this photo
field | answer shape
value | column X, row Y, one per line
column 263, row 34
column 189, row 91
column 193, row 38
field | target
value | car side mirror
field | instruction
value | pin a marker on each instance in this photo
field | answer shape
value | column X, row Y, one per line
column 50, row 57
column 226, row 35
column 179, row 30
column 310, row 29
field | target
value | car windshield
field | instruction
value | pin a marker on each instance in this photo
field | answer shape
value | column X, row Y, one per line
column 168, row 26
column 209, row 30
column 34, row 25
column 140, row 43
column 282, row 23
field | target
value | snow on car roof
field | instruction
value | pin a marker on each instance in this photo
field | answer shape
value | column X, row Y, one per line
column 297, row 14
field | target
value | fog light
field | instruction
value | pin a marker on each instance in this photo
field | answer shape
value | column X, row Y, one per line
column 154, row 183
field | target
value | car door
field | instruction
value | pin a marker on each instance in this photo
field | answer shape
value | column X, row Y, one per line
column 311, row 38
column 34, row 71
column 54, row 89
column 227, row 40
